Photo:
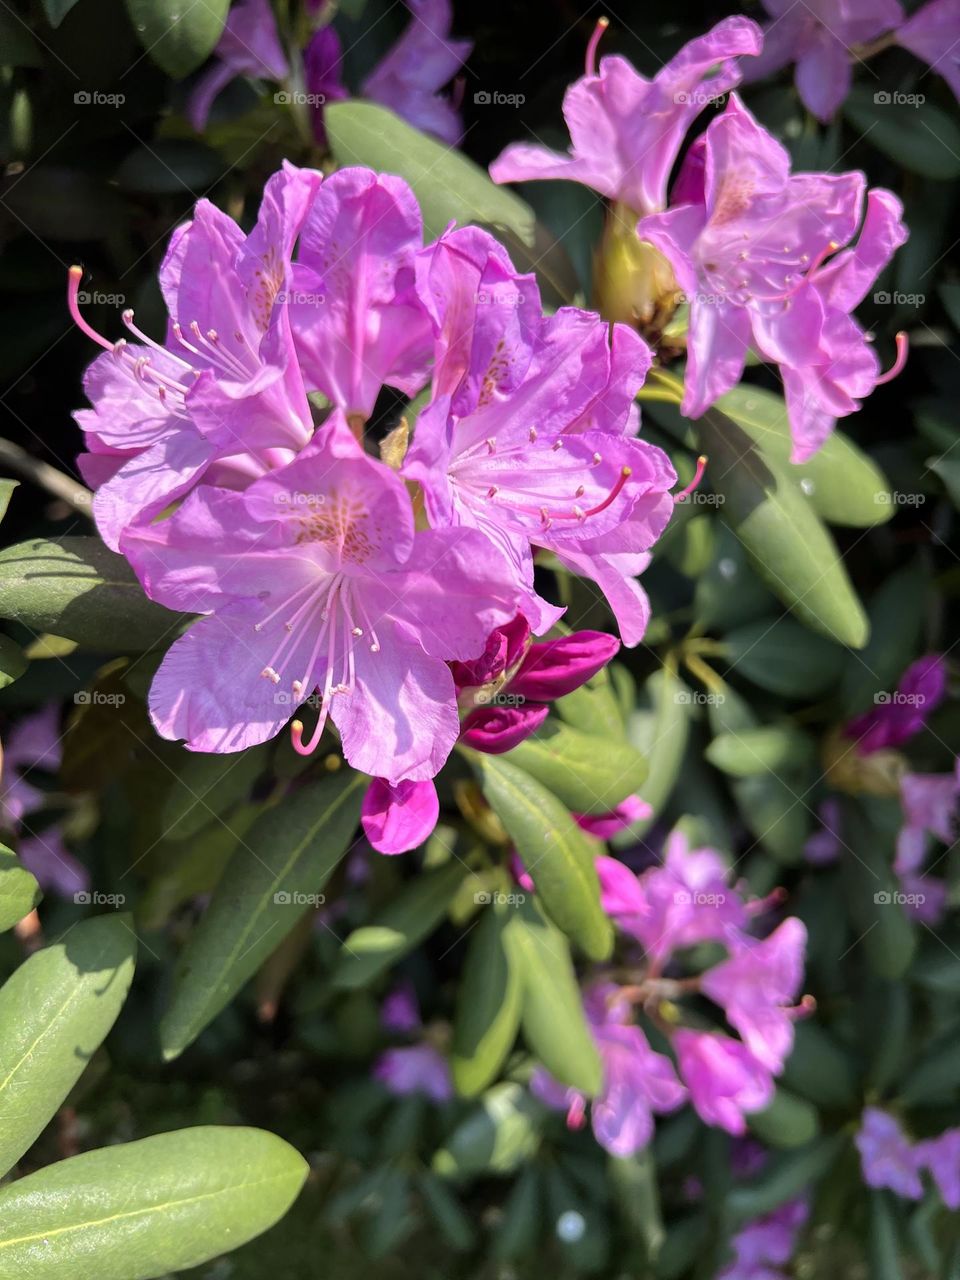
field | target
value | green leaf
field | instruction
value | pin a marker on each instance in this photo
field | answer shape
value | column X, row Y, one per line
column 54, row 1012
column 7, row 486
column 917, row 135
column 788, row 1174
column 207, row 786
column 887, row 934
column 276, row 874
column 782, row 657
column 448, row 186
column 501, row 1133
column 552, row 1017
column 519, row 1228
column 409, row 918
column 19, row 892
column 76, row 587
column 840, row 482
column 765, row 750
column 788, row 1121
column 18, row 48
column 788, row 545
column 896, row 612
column 554, row 850
column 730, row 594
column 456, row 1227
column 13, row 662
column 588, row 773
column 488, row 1005
column 57, row 10
column 178, row 35
column 884, row 1240
column 661, row 737
column 634, row 1181
column 820, row 1069
column 771, row 804
column 936, row 1077
column 144, row 1209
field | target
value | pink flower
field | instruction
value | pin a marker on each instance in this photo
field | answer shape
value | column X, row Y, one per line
column 357, row 324
column 637, row 1081
column 576, row 482
column 756, row 987
column 222, row 399
column 932, row 34
column 605, row 826
column 901, row 715
column 626, row 131
column 748, row 254
column 725, row 1080
column 423, row 60
column 886, row 1156
column 249, row 46
column 400, row 817
column 942, row 1157
column 415, row 1069
column 314, row 579
column 765, row 1241
column 817, row 35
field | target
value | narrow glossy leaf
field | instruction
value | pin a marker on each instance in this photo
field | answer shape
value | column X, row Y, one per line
column 771, row 804
column 551, row 1015
column 7, row 486
column 842, row 485
column 765, row 750
column 77, row 588
column 144, row 1209
column 782, row 657
column 519, row 1228
column 448, row 186
column 54, row 1012
column 57, row 10
column 19, row 892
column 594, row 707
column 274, row 876
column 788, row 1174
column 884, row 1240
column 661, row 737
column 501, row 1132
column 820, row 1069
column 788, row 1121
column 588, row 773
column 554, row 850
column 178, row 35
column 788, row 545
column 444, row 1208
column 896, row 612
column 634, row 1182
column 488, row 1004
column 206, row 786
column 409, row 918
column 917, row 135
column 936, row 1077
column 887, row 935
column 730, row 594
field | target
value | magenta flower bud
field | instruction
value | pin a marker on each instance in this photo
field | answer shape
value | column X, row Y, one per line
column 400, row 817
column 607, row 825
column 504, row 649
column 496, row 730
column 552, row 668
column 897, row 717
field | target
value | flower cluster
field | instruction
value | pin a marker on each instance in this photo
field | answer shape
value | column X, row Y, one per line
column 889, row 1159
column 865, row 758
column 407, row 79
column 669, row 909
column 418, row 1068
column 765, row 259
column 825, row 38
column 231, row 467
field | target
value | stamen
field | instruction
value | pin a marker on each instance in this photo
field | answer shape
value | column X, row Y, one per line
column 697, row 477
column 74, row 276
column 599, row 29
column 903, row 345
column 547, row 516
